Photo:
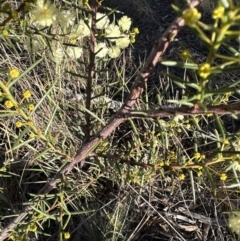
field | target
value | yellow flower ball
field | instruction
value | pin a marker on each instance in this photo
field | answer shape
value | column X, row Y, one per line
column 135, row 30
column 197, row 155
column 225, row 142
column 32, row 227
column 125, row 23
column 5, row 33
column 18, row 124
column 181, row 176
column 204, row 70
column 191, row 16
column 30, row 123
column 31, row 135
column 44, row 13
column 199, row 174
column 14, row 73
column 27, row 94
column 31, row 107
column 66, row 235
column 223, row 176
column 161, row 163
column 218, row 12
column 234, row 222
column 203, row 156
column 8, row 104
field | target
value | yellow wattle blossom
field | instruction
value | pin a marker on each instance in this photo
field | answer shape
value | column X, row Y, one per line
column 181, row 176
column 191, row 16
column 74, row 52
column 135, row 30
column 132, row 38
column 32, row 135
column 223, row 176
column 102, row 21
column 8, row 104
column 101, row 50
column 204, row 70
column 161, row 163
column 27, row 94
column 225, row 142
column 18, row 124
column 234, row 221
column 44, row 13
column 197, row 155
column 179, row 130
column 66, row 235
column 123, row 42
column 203, row 156
column 80, row 30
column 114, row 52
column 125, row 23
column 73, row 41
column 199, row 173
column 31, row 107
column 32, row 227
column 14, row 73
column 65, row 18
column 113, row 32
column 30, row 123
column 5, row 32
column 218, row 12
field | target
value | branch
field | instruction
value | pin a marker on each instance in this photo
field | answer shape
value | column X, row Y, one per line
column 91, row 70
column 158, row 50
column 159, row 113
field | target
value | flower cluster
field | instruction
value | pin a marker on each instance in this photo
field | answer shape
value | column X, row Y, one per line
column 118, row 36
column 115, row 36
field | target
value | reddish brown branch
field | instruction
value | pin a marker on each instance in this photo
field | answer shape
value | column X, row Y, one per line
column 137, row 88
column 91, row 70
column 159, row 113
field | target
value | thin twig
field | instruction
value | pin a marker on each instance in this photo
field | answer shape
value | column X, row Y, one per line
column 158, row 50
